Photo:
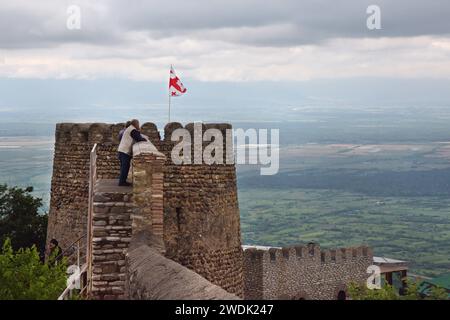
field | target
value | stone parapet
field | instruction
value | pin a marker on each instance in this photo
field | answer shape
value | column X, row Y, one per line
column 148, row 183
column 152, row 276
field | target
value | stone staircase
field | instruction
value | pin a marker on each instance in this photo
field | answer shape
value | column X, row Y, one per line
column 111, row 235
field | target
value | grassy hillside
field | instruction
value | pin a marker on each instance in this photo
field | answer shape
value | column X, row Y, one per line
column 416, row 229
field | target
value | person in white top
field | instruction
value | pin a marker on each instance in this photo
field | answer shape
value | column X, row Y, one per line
column 123, row 130
column 130, row 136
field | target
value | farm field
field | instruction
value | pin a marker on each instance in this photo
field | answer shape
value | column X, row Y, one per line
column 337, row 185
column 415, row 229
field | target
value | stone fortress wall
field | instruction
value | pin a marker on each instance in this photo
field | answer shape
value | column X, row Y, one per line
column 303, row 272
column 193, row 210
column 201, row 220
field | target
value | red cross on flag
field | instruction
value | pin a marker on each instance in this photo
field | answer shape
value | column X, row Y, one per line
column 176, row 88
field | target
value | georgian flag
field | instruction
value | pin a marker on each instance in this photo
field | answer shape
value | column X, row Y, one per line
column 176, row 88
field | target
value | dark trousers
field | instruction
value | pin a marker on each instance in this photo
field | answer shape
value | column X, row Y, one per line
column 125, row 160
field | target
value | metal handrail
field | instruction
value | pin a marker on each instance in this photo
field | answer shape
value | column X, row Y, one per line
column 63, row 252
column 92, row 180
column 81, row 268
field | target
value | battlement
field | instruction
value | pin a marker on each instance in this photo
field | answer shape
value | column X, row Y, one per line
column 303, row 271
column 310, row 252
column 108, row 133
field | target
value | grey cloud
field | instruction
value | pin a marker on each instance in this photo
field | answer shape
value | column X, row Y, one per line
column 304, row 21
column 250, row 22
column 42, row 24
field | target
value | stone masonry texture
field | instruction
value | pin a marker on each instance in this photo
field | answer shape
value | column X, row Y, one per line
column 148, row 189
column 303, row 272
column 199, row 219
column 152, row 276
column 111, row 231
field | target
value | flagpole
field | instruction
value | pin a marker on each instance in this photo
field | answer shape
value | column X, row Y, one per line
column 169, row 106
column 169, row 90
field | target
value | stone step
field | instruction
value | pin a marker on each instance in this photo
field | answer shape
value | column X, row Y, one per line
column 107, row 190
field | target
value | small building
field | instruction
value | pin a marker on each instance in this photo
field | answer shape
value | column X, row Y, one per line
column 393, row 272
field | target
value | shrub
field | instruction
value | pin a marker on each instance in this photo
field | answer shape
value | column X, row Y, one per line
column 24, row 277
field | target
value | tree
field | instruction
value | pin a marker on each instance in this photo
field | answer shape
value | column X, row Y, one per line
column 20, row 219
column 388, row 292
column 361, row 292
column 24, row 277
column 438, row 293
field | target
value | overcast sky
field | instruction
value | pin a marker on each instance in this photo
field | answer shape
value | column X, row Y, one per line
column 232, row 40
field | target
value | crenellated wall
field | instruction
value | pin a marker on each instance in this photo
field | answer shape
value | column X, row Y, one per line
column 201, row 219
column 303, row 272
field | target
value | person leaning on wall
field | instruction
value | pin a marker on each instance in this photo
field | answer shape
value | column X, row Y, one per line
column 130, row 136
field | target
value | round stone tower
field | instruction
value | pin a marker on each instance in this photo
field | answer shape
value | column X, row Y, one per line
column 201, row 228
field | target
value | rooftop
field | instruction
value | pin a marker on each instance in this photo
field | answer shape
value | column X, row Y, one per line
column 387, row 260
column 245, row 247
column 390, row 265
